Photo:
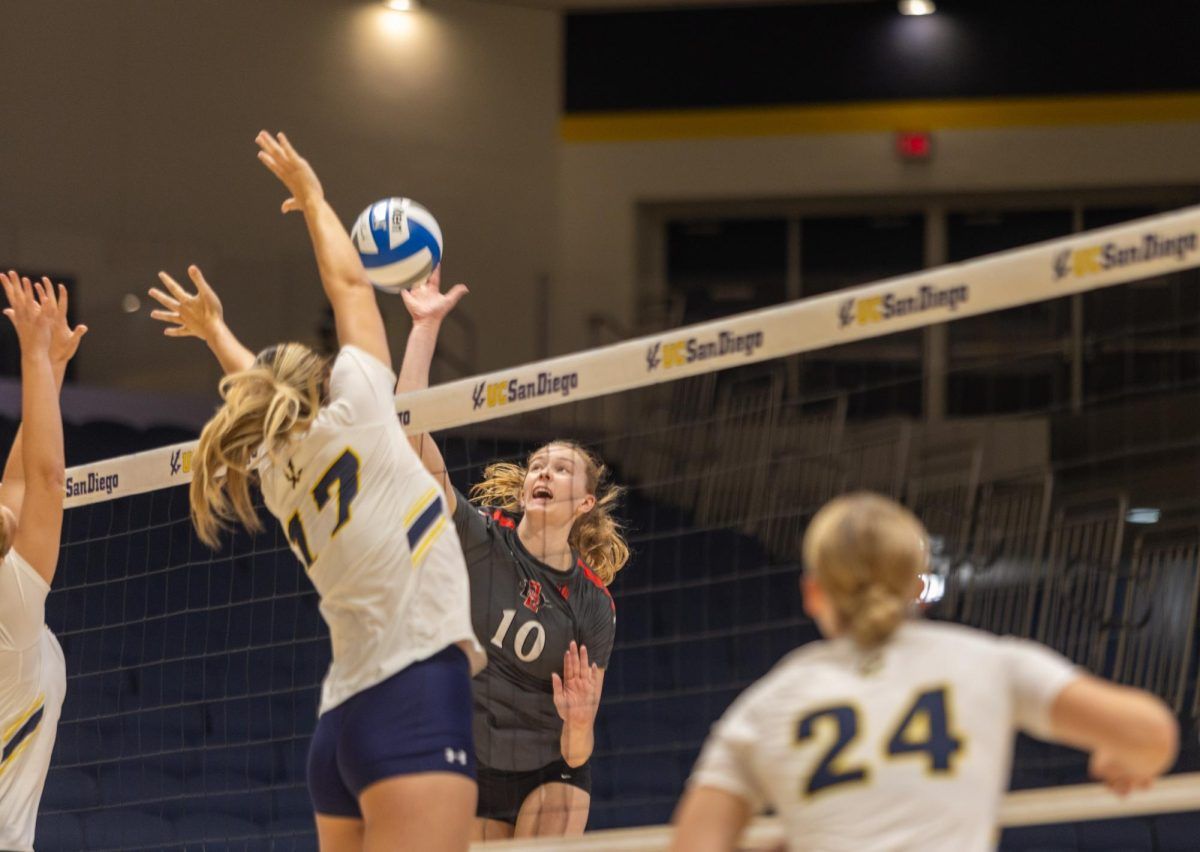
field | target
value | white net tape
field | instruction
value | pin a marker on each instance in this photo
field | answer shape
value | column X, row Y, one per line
column 1140, row 249
column 1028, row 807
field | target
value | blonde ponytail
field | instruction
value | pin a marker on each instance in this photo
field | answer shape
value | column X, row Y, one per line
column 867, row 553
column 265, row 406
column 597, row 536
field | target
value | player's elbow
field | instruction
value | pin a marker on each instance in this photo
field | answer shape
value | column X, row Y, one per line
column 1159, row 733
column 48, row 473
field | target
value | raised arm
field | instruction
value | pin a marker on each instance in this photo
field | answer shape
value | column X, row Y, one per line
column 33, row 312
column 577, row 699
column 199, row 315
column 1133, row 737
column 428, row 306
column 64, row 343
column 355, row 311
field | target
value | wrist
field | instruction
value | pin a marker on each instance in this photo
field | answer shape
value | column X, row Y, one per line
column 577, row 727
column 214, row 333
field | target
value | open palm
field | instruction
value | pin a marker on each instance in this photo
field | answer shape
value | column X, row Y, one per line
column 186, row 314
column 577, row 692
column 427, row 303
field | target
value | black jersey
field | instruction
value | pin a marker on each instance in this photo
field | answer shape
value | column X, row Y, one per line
column 525, row 615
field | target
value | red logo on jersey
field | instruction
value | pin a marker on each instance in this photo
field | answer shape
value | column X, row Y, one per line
column 533, row 594
column 565, row 592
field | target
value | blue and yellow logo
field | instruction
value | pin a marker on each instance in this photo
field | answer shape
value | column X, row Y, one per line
column 873, row 309
column 181, row 462
column 1092, row 260
column 676, row 353
column 492, row 394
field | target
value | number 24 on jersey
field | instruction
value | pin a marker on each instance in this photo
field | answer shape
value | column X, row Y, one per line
column 924, row 730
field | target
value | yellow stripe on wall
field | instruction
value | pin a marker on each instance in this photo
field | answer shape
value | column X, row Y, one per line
column 884, row 116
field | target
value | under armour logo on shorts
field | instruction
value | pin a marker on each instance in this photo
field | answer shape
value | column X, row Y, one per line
column 452, row 756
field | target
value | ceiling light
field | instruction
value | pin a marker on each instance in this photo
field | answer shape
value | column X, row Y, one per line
column 917, row 7
column 1143, row 515
column 402, row 5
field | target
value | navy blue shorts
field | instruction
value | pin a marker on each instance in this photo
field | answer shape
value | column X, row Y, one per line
column 418, row 720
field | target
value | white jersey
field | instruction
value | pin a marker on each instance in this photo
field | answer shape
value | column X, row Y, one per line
column 907, row 749
column 33, row 682
column 370, row 524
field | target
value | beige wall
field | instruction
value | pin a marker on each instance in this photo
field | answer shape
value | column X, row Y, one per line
column 127, row 146
column 601, row 185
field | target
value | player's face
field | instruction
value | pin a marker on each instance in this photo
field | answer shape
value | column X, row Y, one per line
column 556, row 487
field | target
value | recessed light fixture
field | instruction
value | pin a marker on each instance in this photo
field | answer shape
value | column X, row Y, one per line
column 1143, row 515
column 402, row 5
column 917, row 7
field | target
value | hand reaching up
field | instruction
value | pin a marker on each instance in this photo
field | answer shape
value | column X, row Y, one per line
column 577, row 692
column 187, row 315
column 427, row 303
column 27, row 310
column 64, row 340
column 293, row 171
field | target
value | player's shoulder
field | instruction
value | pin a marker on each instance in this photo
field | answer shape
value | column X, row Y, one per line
column 953, row 641
column 495, row 517
column 592, row 587
column 798, row 671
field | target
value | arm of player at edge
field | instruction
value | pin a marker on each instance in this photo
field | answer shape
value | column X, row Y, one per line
column 709, row 819
column 355, row 311
column 35, row 313
column 1133, row 737
column 428, row 306
column 64, row 344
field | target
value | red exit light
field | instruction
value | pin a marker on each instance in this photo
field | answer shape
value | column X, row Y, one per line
column 914, row 146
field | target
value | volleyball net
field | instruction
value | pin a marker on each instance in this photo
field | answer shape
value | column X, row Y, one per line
column 1038, row 408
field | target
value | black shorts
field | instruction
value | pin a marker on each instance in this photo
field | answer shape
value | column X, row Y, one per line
column 501, row 793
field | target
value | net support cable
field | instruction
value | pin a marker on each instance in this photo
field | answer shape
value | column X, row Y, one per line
column 1135, row 250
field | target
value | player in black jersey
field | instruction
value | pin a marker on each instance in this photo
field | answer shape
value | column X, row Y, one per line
column 541, row 551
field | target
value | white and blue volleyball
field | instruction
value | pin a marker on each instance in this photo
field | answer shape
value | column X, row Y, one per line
column 399, row 242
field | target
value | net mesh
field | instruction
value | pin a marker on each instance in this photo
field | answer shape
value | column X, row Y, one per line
column 193, row 675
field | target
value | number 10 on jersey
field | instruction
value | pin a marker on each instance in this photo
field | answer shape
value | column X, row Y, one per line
column 525, row 650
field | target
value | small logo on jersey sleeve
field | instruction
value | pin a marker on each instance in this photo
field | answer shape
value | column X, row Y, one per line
column 293, row 475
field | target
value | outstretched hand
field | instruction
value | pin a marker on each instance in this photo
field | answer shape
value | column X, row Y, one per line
column 278, row 155
column 577, row 692
column 27, row 309
column 64, row 340
column 188, row 315
column 427, row 303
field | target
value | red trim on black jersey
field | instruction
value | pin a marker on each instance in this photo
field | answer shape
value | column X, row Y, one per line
column 503, row 520
column 591, row 575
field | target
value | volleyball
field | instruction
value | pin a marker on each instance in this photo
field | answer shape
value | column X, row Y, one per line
column 400, row 243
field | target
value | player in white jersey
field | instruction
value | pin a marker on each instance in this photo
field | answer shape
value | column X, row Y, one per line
column 896, row 734
column 391, row 765
column 33, row 676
